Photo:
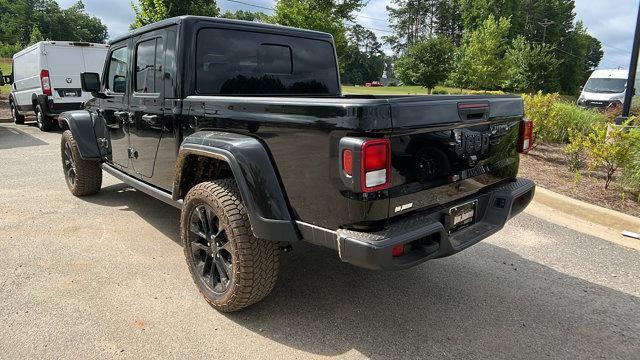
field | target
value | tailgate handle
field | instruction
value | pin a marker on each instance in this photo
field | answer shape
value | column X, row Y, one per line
column 473, row 111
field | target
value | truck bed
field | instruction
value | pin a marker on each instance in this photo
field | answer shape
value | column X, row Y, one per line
column 444, row 148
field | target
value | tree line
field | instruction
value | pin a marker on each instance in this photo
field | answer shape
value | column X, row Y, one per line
column 514, row 45
column 24, row 22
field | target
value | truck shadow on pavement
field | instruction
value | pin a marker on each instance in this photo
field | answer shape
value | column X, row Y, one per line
column 161, row 216
column 12, row 137
column 486, row 302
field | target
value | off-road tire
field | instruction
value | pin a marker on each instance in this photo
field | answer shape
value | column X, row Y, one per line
column 45, row 122
column 87, row 174
column 17, row 118
column 255, row 263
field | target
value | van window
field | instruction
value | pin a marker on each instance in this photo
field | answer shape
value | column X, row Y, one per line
column 232, row 62
column 149, row 66
column 606, row 85
column 117, row 75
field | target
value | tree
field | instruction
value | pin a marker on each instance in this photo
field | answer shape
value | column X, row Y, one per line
column 321, row 15
column 411, row 21
column 530, row 67
column 449, row 22
column 19, row 17
column 150, row 11
column 484, row 50
column 248, row 16
column 581, row 53
column 364, row 60
column 427, row 63
column 459, row 76
column 36, row 35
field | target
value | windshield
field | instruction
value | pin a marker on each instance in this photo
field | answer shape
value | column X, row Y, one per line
column 605, row 85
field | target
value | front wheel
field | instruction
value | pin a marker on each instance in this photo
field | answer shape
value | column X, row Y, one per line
column 45, row 122
column 230, row 266
column 83, row 177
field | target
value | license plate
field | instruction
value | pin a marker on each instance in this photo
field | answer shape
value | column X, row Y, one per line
column 70, row 93
column 462, row 216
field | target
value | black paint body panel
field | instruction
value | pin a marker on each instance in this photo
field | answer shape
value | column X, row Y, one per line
column 286, row 148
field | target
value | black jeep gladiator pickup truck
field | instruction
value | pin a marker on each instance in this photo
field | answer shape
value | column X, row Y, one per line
column 243, row 127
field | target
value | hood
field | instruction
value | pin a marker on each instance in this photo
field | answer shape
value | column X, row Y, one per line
column 601, row 96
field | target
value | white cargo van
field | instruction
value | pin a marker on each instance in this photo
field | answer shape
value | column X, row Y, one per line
column 603, row 89
column 46, row 79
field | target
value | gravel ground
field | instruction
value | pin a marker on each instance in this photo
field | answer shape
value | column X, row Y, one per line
column 104, row 277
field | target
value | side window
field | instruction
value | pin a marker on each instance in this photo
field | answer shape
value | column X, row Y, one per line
column 117, row 76
column 148, row 78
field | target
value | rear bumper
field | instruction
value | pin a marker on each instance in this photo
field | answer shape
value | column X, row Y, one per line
column 423, row 234
column 52, row 107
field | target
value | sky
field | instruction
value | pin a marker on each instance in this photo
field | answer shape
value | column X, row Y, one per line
column 611, row 21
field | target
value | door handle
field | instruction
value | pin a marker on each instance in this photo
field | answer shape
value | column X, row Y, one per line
column 150, row 119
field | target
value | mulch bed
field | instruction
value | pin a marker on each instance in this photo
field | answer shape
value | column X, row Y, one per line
column 547, row 166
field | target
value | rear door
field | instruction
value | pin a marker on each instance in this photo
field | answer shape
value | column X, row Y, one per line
column 65, row 62
column 146, row 104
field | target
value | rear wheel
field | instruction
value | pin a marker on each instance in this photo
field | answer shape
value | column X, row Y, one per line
column 230, row 267
column 17, row 118
column 83, row 177
column 45, row 123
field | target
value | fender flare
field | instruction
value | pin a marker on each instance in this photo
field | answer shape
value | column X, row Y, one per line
column 255, row 176
column 82, row 126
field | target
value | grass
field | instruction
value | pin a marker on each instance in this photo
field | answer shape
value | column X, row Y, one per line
column 5, row 66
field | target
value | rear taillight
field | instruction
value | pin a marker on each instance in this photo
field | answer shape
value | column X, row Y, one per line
column 376, row 165
column 365, row 164
column 46, row 82
column 525, row 140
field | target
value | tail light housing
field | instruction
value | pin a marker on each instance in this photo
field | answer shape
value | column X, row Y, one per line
column 365, row 164
column 45, row 81
column 376, row 165
column 525, row 140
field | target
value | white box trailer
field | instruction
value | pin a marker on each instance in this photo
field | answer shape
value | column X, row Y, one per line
column 46, row 78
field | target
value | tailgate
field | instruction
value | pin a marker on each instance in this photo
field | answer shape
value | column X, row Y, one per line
column 445, row 148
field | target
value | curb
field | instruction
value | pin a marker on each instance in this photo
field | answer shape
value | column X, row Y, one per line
column 596, row 214
column 8, row 120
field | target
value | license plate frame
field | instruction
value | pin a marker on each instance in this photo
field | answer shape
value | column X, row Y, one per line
column 462, row 216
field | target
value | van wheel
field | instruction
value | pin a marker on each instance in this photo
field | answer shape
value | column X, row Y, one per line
column 45, row 123
column 17, row 118
column 231, row 268
column 83, row 177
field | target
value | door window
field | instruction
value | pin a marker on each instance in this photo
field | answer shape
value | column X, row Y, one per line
column 117, row 75
column 149, row 66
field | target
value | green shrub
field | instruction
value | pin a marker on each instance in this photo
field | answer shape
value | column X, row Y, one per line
column 554, row 119
column 439, row 92
column 7, row 50
column 630, row 178
column 606, row 146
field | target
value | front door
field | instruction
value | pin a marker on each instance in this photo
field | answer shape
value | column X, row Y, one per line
column 146, row 104
column 115, row 107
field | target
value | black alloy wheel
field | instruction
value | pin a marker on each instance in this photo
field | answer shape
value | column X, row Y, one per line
column 210, row 249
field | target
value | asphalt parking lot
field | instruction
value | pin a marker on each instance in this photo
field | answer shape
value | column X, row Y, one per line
column 104, row 276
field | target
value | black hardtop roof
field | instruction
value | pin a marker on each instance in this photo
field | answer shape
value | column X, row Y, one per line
column 190, row 20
